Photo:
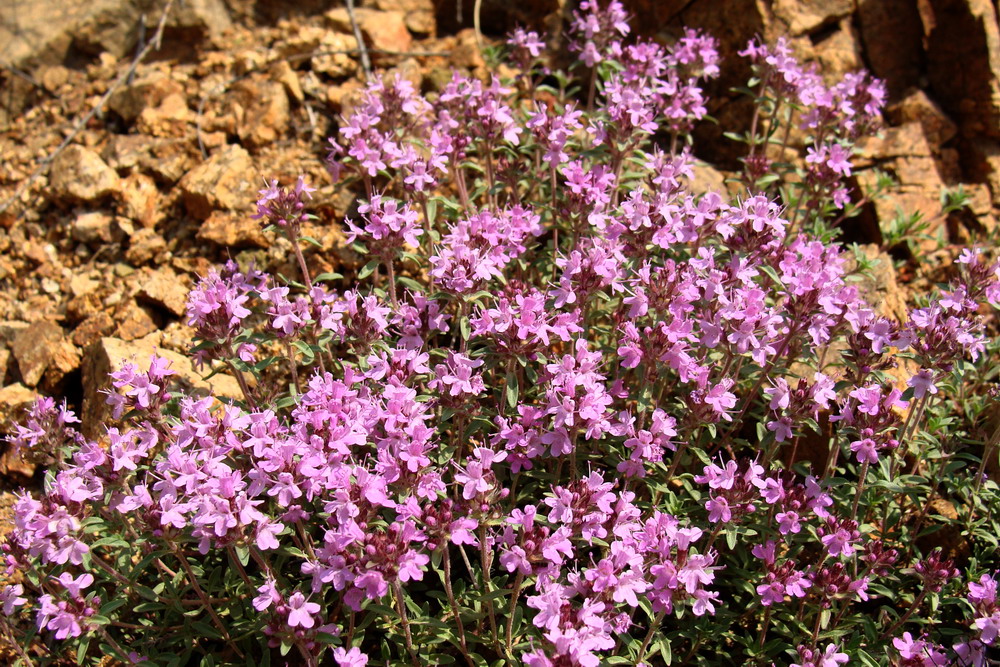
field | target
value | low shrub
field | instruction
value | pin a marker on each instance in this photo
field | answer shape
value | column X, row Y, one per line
column 569, row 412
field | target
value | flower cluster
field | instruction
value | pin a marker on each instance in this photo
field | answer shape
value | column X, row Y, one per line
column 569, row 413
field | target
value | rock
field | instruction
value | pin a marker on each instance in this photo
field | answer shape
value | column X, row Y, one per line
column 4, row 364
column 986, row 165
column 19, row 95
column 124, row 151
column 51, row 30
column 195, row 19
column 340, row 97
column 39, row 252
column 147, row 92
column 14, row 400
column 805, row 16
column 892, row 33
column 225, row 181
column 93, row 328
column 45, row 30
column 53, row 77
column 81, row 285
column 419, row 14
column 31, row 349
column 905, row 154
column 79, row 174
column 15, row 467
column 332, row 64
column 165, row 289
column 466, row 54
column 170, row 159
column 82, row 306
column 64, row 359
column 167, row 159
column 232, row 231
column 134, row 321
column 837, row 53
column 10, row 329
column 145, row 246
column 262, row 111
column 107, row 354
column 195, row 266
column 385, row 31
column 918, row 107
column 281, row 72
column 140, row 200
column 963, row 62
column 171, row 118
column 404, row 6
column 422, row 24
column 979, row 198
column 93, row 227
column 906, row 140
column 38, row 347
column 708, row 179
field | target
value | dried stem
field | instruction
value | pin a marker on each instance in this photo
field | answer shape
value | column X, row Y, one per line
column 366, row 63
column 206, row 603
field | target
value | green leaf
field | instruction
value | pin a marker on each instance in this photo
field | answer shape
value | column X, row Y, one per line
column 147, row 593
column 410, row 283
column 243, row 555
column 106, row 609
column 111, row 541
column 431, row 210
column 81, row 649
column 368, row 269
column 305, row 349
column 771, row 273
column 512, row 390
column 665, row 652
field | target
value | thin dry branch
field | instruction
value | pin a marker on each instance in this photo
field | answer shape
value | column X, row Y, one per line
column 366, row 63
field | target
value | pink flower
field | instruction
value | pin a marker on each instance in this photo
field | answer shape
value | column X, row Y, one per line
column 351, row 658
column 301, row 611
column 268, row 595
column 865, row 450
column 10, row 596
column 922, row 383
column 989, row 627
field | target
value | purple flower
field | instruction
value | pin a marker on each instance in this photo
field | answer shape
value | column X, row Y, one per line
column 10, row 595
column 282, row 207
column 923, row 383
column 268, row 595
column 984, row 592
column 300, row 611
column 75, row 586
column 866, row 450
column 349, row 658
column 989, row 627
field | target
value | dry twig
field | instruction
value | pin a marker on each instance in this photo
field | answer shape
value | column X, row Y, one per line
column 366, row 63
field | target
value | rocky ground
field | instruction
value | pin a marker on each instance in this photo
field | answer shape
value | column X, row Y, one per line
column 100, row 244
